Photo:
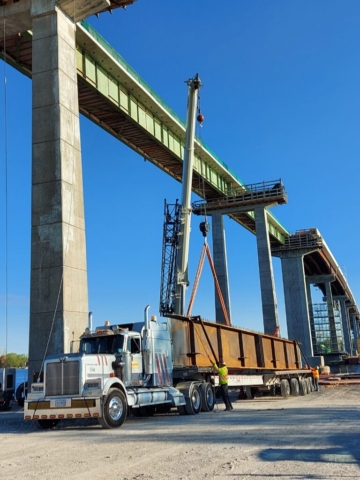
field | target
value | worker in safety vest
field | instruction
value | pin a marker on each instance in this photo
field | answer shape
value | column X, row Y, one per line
column 223, row 382
column 315, row 375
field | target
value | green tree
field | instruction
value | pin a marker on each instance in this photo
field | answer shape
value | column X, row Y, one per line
column 14, row 360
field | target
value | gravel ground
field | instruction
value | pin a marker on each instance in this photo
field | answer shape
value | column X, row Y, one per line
column 313, row 437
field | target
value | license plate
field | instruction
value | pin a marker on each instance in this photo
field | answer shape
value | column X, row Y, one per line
column 60, row 403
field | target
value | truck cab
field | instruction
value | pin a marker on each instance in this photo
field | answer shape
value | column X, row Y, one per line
column 117, row 367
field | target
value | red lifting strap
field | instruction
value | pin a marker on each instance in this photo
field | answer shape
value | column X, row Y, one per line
column 206, row 250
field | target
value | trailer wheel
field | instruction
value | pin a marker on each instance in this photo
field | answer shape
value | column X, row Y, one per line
column 294, row 387
column 249, row 393
column 193, row 402
column 114, row 409
column 310, row 384
column 48, row 424
column 207, row 397
column 272, row 390
column 302, row 387
column 285, row 388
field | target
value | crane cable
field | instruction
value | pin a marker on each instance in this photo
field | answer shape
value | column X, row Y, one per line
column 6, row 194
column 200, row 119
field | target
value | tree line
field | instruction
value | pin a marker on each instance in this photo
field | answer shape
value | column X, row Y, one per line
column 13, row 360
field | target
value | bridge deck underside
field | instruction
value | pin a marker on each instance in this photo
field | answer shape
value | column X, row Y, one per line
column 118, row 123
column 103, row 112
column 316, row 263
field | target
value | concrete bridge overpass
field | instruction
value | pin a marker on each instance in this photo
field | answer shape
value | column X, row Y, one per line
column 112, row 95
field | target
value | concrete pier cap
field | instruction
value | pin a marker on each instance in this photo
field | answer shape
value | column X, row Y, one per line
column 18, row 15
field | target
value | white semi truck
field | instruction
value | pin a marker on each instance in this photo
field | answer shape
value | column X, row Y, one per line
column 150, row 367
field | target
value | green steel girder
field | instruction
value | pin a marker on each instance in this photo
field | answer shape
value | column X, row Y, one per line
column 116, row 98
column 106, row 71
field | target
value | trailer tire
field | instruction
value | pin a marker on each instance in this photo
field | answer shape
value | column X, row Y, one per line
column 249, row 393
column 207, row 397
column 310, row 384
column 114, row 409
column 272, row 390
column 48, row 424
column 302, row 387
column 294, row 387
column 193, row 402
column 285, row 388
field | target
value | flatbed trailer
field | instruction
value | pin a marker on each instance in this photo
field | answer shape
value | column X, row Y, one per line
column 256, row 361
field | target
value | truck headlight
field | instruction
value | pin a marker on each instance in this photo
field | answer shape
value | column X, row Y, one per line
column 93, row 384
column 37, row 388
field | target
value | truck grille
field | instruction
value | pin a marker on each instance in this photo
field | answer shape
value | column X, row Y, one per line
column 62, row 378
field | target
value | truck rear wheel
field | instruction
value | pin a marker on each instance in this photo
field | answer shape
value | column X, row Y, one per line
column 114, row 409
column 285, row 388
column 207, row 397
column 193, row 402
column 294, row 387
column 47, row 424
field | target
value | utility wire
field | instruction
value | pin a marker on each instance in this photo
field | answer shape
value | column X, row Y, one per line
column 6, row 194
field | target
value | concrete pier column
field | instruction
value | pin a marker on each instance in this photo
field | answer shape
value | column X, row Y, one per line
column 330, row 307
column 342, row 299
column 296, row 300
column 311, row 311
column 267, row 284
column 59, row 292
column 356, row 333
column 221, row 268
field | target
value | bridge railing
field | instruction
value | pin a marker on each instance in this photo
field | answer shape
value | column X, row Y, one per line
column 256, row 193
column 308, row 239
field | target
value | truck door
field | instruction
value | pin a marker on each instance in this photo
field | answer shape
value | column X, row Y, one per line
column 134, row 346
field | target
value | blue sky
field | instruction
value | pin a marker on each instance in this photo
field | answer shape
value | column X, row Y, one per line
column 281, row 99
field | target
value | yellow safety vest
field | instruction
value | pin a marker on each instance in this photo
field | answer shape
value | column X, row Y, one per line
column 223, row 374
column 315, row 372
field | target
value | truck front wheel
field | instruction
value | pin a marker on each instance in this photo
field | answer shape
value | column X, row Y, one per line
column 114, row 410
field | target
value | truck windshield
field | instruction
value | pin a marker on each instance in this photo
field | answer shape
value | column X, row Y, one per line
column 104, row 344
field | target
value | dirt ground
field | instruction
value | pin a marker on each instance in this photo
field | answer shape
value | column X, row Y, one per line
column 313, row 437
